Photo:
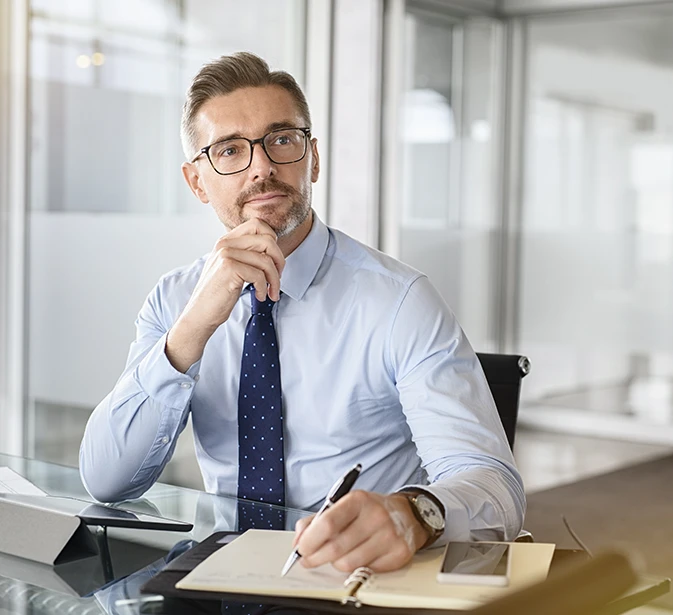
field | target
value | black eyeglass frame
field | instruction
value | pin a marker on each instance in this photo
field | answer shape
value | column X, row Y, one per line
column 206, row 150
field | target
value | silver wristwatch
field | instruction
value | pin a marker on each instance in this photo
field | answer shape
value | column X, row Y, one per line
column 429, row 512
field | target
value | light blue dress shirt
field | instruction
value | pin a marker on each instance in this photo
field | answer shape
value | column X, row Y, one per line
column 374, row 370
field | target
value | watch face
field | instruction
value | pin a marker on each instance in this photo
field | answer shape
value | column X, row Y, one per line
column 429, row 511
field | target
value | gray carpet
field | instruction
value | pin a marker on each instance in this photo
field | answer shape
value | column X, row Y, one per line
column 630, row 508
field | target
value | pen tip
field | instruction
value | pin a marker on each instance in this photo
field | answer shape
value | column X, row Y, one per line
column 289, row 563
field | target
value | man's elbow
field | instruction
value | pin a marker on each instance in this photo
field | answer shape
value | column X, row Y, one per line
column 109, row 492
column 105, row 485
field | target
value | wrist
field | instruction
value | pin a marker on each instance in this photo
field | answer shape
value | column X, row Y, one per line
column 428, row 512
column 185, row 344
column 416, row 534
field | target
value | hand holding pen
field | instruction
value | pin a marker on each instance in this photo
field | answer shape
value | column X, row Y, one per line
column 338, row 490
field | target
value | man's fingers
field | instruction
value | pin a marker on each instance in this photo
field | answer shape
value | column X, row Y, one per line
column 330, row 523
column 392, row 556
column 262, row 262
column 255, row 243
column 300, row 527
column 254, row 226
column 255, row 276
column 359, row 530
column 338, row 546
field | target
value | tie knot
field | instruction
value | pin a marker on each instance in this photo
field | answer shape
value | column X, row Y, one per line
column 260, row 307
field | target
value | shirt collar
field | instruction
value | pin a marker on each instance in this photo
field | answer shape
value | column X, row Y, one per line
column 302, row 265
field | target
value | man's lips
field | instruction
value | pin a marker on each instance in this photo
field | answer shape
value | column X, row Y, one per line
column 267, row 196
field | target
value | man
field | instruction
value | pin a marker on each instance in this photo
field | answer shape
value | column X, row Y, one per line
column 300, row 352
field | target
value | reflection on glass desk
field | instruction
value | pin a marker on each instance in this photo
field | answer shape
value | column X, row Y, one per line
column 99, row 585
column 92, row 585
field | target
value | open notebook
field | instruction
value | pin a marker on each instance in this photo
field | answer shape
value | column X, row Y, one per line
column 251, row 565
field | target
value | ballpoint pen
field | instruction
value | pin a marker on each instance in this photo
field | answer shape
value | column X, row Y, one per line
column 339, row 489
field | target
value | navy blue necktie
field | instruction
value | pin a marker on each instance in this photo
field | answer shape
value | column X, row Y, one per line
column 261, row 467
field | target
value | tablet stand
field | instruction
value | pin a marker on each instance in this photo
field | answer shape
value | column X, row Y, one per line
column 44, row 536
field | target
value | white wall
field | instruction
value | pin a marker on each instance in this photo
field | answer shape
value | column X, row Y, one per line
column 90, row 276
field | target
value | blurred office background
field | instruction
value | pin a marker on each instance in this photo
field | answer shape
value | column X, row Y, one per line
column 520, row 152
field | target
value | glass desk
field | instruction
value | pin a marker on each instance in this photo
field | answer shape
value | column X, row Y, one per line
column 99, row 585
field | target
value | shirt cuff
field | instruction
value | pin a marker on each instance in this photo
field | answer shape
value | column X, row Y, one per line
column 162, row 382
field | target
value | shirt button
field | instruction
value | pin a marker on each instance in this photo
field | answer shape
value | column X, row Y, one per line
column 196, row 378
column 165, row 439
column 186, row 385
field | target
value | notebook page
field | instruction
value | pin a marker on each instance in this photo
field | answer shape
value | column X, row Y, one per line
column 416, row 585
column 252, row 563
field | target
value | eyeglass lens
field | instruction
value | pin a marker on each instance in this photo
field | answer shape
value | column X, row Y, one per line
column 282, row 147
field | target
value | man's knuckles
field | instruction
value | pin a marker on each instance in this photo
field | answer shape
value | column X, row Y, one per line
column 333, row 550
column 259, row 226
column 254, row 226
column 328, row 525
column 349, row 562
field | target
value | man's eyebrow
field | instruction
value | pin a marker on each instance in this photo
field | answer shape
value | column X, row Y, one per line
column 269, row 128
column 280, row 125
column 233, row 135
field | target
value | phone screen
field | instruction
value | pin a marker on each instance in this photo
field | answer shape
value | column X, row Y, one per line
column 476, row 558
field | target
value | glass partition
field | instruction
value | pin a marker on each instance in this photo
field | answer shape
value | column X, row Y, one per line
column 597, row 227
column 444, row 148
column 109, row 209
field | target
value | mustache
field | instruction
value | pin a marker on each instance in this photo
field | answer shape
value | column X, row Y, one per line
column 268, row 185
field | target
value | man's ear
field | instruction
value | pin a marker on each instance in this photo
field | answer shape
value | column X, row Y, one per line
column 191, row 174
column 315, row 169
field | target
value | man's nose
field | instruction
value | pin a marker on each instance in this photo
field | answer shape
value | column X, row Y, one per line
column 261, row 166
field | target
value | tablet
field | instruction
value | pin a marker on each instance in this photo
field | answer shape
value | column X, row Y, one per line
column 97, row 514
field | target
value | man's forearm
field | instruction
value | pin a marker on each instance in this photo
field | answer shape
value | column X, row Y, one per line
column 131, row 434
column 185, row 343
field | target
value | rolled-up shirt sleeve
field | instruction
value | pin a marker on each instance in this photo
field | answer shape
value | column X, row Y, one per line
column 453, row 420
column 132, row 433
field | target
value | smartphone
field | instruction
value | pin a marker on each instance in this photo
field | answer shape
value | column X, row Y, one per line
column 475, row 563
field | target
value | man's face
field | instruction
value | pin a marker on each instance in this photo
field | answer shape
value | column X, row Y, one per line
column 278, row 194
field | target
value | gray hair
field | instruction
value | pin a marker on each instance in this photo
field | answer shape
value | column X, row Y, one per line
column 225, row 75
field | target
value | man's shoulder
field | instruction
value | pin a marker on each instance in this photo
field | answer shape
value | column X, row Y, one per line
column 365, row 260
column 185, row 276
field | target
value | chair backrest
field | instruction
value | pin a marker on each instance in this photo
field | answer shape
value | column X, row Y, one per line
column 504, row 373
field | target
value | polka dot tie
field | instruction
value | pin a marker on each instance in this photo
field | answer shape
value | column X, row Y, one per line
column 261, row 469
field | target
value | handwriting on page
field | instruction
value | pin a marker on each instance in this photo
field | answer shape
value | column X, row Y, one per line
column 323, row 578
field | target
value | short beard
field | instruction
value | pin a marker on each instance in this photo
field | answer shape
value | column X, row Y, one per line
column 297, row 214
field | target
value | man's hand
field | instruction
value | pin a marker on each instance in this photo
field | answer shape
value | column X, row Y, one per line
column 361, row 529
column 249, row 254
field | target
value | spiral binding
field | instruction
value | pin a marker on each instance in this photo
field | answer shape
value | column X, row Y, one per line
column 354, row 582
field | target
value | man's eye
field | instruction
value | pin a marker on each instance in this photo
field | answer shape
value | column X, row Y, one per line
column 282, row 140
column 227, row 151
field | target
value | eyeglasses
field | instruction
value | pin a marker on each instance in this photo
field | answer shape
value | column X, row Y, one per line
column 283, row 146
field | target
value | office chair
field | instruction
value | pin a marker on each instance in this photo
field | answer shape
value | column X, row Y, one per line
column 584, row 589
column 503, row 374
